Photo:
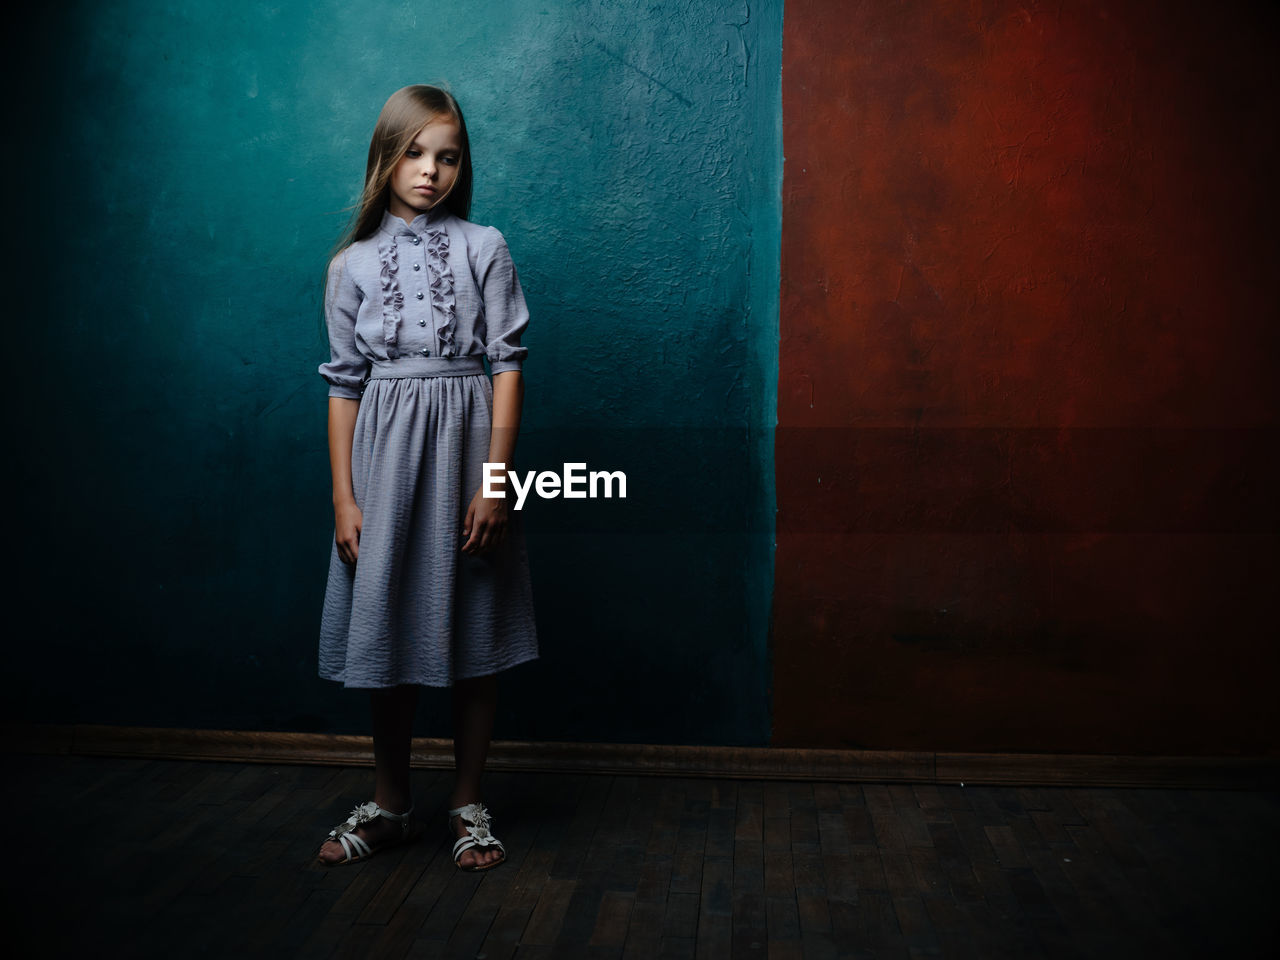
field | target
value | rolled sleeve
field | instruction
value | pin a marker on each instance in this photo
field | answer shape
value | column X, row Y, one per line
column 505, row 313
column 347, row 369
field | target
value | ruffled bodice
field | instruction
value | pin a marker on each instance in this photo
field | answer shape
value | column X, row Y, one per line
column 439, row 286
column 426, row 228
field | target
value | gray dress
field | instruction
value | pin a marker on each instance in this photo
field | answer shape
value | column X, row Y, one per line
column 411, row 310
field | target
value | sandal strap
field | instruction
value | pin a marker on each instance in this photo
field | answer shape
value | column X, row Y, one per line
column 463, row 844
column 366, row 812
column 477, row 816
column 475, row 813
column 353, row 845
column 397, row 817
column 350, row 841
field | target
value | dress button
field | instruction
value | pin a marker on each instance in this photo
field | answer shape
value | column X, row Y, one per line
column 423, row 351
column 422, row 323
column 415, row 266
column 416, row 241
column 419, row 294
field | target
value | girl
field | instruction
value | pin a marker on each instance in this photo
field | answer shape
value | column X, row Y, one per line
column 428, row 579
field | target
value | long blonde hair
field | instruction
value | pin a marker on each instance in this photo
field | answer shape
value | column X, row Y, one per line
column 406, row 112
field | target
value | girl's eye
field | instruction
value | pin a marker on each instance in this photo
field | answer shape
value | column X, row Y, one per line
column 412, row 153
column 449, row 160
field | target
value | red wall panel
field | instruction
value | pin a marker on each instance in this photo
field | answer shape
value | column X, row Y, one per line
column 1024, row 473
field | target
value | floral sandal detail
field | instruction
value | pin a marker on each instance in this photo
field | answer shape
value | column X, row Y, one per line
column 478, row 836
column 356, row 847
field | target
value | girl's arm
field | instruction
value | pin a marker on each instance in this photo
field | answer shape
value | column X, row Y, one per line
column 506, row 316
column 347, row 518
column 508, row 402
column 486, row 523
column 345, row 373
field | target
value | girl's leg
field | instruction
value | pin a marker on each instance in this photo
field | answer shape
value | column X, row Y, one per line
column 393, row 711
column 475, row 700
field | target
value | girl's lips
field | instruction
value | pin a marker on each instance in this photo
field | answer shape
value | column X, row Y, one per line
column 426, row 189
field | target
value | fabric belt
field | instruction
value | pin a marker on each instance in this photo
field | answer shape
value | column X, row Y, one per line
column 426, row 367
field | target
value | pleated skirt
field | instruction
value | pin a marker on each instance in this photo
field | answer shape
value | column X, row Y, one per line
column 414, row 609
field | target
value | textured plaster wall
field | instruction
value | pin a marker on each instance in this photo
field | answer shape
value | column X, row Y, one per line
column 202, row 156
column 1027, row 418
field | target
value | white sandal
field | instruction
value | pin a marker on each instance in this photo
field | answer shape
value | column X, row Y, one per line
column 478, row 835
column 356, row 847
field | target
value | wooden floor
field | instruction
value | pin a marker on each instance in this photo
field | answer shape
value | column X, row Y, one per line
column 175, row 859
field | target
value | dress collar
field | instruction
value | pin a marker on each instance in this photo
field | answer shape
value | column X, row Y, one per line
column 398, row 228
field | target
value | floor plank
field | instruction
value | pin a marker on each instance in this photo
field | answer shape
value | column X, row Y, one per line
column 177, row 858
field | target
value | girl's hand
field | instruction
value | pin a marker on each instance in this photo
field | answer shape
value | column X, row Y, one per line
column 347, row 521
column 486, row 523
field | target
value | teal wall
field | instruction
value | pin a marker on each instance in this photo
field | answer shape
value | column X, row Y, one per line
column 202, row 157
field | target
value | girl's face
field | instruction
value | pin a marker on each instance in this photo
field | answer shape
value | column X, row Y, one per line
column 426, row 173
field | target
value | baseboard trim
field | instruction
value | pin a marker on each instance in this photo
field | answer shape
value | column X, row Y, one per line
column 754, row 763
